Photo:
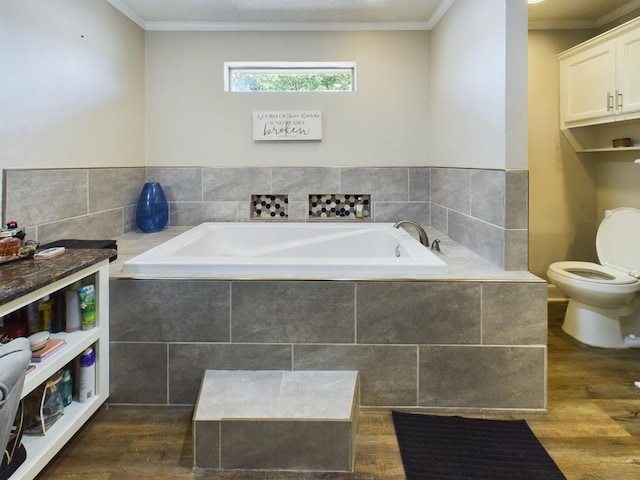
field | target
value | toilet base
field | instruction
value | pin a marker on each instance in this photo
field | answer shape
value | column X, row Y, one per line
column 597, row 327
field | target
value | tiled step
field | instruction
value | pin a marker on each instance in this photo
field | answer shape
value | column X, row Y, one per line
column 276, row 420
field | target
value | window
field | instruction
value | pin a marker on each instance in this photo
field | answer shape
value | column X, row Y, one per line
column 289, row 76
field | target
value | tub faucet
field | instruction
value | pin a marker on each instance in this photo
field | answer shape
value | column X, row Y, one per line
column 424, row 239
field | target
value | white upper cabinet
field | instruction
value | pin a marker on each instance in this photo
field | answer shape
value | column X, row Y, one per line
column 628, row 72
column 600, row 78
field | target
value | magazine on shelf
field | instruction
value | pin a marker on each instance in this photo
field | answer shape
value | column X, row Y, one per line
column 49, row 349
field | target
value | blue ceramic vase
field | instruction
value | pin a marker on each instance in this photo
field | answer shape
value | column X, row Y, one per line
column 152, row 212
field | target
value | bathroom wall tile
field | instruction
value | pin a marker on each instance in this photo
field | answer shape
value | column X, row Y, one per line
column 516, row 250
column 188, row 361
column 395, row 211
column 451, row 188
column 414, row 312
column 178, row 184
column 235, row 184
column 517, row 199
column 286, row 445
column 439, row 218
column 514, row 313
column 482, row 377
column 302, row 312
column 154, row 310
column 138, row 373
column 384, row 184
column 194, row 213
column 129, row 222
column 484, row 239
column 298, row 211
column 33, row 197
column 298, row 183
column 387, row 373
column 488, row 196
column 114, row 187
column 98, row 226
column 419, row 184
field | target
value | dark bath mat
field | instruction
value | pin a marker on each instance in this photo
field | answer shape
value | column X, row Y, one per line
column 456, row 448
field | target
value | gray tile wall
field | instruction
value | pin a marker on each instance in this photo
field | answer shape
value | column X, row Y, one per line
column 452, row 345
column 483, row 210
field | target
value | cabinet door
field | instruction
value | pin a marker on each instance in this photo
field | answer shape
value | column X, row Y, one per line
column 587, row 84
column 628, row 73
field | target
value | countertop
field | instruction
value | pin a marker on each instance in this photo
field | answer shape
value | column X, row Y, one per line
column 25, row 276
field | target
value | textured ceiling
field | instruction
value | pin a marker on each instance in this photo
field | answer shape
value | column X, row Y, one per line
column 220, row 14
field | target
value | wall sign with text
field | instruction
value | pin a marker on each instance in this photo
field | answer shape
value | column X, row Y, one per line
column 287, row 125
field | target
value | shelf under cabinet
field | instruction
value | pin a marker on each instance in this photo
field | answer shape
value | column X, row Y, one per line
column 598, row 138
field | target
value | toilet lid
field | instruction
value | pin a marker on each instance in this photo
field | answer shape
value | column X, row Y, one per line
column 618, row 240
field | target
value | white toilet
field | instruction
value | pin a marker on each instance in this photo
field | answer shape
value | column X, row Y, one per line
column 603, row 301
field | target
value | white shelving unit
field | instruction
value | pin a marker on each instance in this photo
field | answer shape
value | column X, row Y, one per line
column 42, row 449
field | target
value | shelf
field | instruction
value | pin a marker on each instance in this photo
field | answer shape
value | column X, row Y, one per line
column 60, row 273
column 42, row 449
column 598, row 138
column 76, row 343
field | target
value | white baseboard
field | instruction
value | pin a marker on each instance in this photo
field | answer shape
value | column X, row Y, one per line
column 555, row 295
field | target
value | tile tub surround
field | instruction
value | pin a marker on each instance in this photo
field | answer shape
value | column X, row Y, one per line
column 282, row 420
column 483, row 210
column 473, row 340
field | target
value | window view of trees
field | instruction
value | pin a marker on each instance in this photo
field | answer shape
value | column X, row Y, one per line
column 291, row 81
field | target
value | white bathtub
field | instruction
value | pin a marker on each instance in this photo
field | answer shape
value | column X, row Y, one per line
column 305, row 251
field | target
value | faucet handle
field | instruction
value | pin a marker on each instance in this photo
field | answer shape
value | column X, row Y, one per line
column 435, row 245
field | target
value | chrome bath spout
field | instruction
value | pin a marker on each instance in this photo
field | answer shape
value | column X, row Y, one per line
column 424, row 239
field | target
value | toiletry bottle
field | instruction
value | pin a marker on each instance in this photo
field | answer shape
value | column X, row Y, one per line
column 66, row 387
column 72, row 315
column 33, row 317
column 45, row 313
column 58, row 311
column 87, row 296
column 86, row 375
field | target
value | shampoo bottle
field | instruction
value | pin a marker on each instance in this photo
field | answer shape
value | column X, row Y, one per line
column 87, row 297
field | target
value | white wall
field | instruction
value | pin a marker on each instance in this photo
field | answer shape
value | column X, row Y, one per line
column 562, row 184
column 477, row 110
column 191, row 121
column 71, row 85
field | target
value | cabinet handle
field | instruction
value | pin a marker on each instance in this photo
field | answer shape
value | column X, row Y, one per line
column 619, row 101
column 609, row 102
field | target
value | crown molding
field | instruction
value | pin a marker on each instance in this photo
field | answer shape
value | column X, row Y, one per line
column 618, row 12
column 133, row 16
column 275, row 26
column 283, row 26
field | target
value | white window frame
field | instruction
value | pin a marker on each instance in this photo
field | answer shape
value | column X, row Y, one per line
column 291, row 67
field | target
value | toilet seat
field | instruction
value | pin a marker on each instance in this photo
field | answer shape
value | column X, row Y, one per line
column 592, row 272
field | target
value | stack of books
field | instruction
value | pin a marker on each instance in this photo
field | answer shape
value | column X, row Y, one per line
column 52, row 346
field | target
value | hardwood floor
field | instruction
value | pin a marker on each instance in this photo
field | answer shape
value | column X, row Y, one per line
column 591, row 429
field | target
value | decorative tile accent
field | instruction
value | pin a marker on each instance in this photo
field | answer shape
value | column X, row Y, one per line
column 339, row 205
column 273, row 206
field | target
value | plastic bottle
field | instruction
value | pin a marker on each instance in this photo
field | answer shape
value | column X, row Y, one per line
column 66, row 387
column 57, row 322
column 45, row 313
column 86, row 375
column 87, row 296
column 33, row 318
column 72, row 316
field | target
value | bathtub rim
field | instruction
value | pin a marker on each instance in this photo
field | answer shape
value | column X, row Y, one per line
column 146, row 265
